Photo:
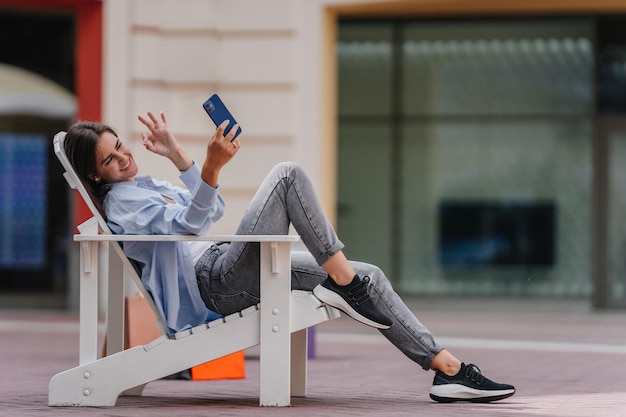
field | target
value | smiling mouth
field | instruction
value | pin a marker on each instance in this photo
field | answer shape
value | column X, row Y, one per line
column 126, row 167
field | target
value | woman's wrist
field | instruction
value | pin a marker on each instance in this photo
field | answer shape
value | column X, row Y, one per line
column 210, row 175
column 181, row 160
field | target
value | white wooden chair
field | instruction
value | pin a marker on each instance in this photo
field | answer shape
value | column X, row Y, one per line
column 278, row 324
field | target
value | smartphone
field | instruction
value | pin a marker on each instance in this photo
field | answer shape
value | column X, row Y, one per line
column 218, row 112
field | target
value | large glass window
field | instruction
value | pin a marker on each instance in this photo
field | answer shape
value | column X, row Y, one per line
column 465, row 153
column 35, row 218
column 611, row 84
column 616, row 207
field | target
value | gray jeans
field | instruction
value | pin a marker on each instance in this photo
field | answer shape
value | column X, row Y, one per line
column 228, row 273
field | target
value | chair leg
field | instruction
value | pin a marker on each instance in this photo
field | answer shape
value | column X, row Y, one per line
column 88, row 325
column 299, row 358
column 274, row 332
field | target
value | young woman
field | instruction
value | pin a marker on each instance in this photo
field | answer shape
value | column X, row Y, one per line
column 192, row 282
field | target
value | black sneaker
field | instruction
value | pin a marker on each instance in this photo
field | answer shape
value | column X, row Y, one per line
column 353, row 300
column 468, row 385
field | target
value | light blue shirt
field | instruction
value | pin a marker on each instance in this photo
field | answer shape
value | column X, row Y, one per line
column 167, row 271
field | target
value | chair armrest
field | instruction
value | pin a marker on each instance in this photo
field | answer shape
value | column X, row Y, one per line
column 178, row 238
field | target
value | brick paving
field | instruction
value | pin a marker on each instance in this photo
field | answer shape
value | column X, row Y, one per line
column 564, row 359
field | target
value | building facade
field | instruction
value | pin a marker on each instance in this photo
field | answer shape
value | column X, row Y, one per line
column 408, row 115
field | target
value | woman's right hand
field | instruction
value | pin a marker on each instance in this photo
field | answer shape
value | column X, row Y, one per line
column 161, row 141
column 220, row 150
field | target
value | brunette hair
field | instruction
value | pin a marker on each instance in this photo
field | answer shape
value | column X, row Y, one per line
column 80, row 147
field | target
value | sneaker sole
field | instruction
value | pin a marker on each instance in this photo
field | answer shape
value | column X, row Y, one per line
column 331, row 298
column 450, row 393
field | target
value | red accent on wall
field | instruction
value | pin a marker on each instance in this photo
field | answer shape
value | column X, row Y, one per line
column 88, row 50
column 89, row 60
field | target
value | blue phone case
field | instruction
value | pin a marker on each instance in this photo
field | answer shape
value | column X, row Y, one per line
column 218, row 112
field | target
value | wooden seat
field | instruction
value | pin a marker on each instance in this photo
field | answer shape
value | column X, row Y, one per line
column 278, row 324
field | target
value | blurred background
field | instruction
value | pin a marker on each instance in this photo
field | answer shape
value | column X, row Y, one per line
column 468, row 148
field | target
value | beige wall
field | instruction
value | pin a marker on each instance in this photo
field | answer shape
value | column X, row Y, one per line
column 263, row 57
column 273, row 63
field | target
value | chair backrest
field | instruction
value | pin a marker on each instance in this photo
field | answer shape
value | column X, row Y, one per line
column 75, row 183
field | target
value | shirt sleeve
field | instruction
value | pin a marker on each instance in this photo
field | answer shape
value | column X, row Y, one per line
column 132, row 209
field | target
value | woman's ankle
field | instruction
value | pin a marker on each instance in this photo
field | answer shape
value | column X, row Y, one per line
column 339, row 269
column 447, row 363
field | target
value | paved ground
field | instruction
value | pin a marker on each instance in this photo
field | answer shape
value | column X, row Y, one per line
column 564, row 359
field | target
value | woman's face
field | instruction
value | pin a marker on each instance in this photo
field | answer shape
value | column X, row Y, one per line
column 114, row 161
